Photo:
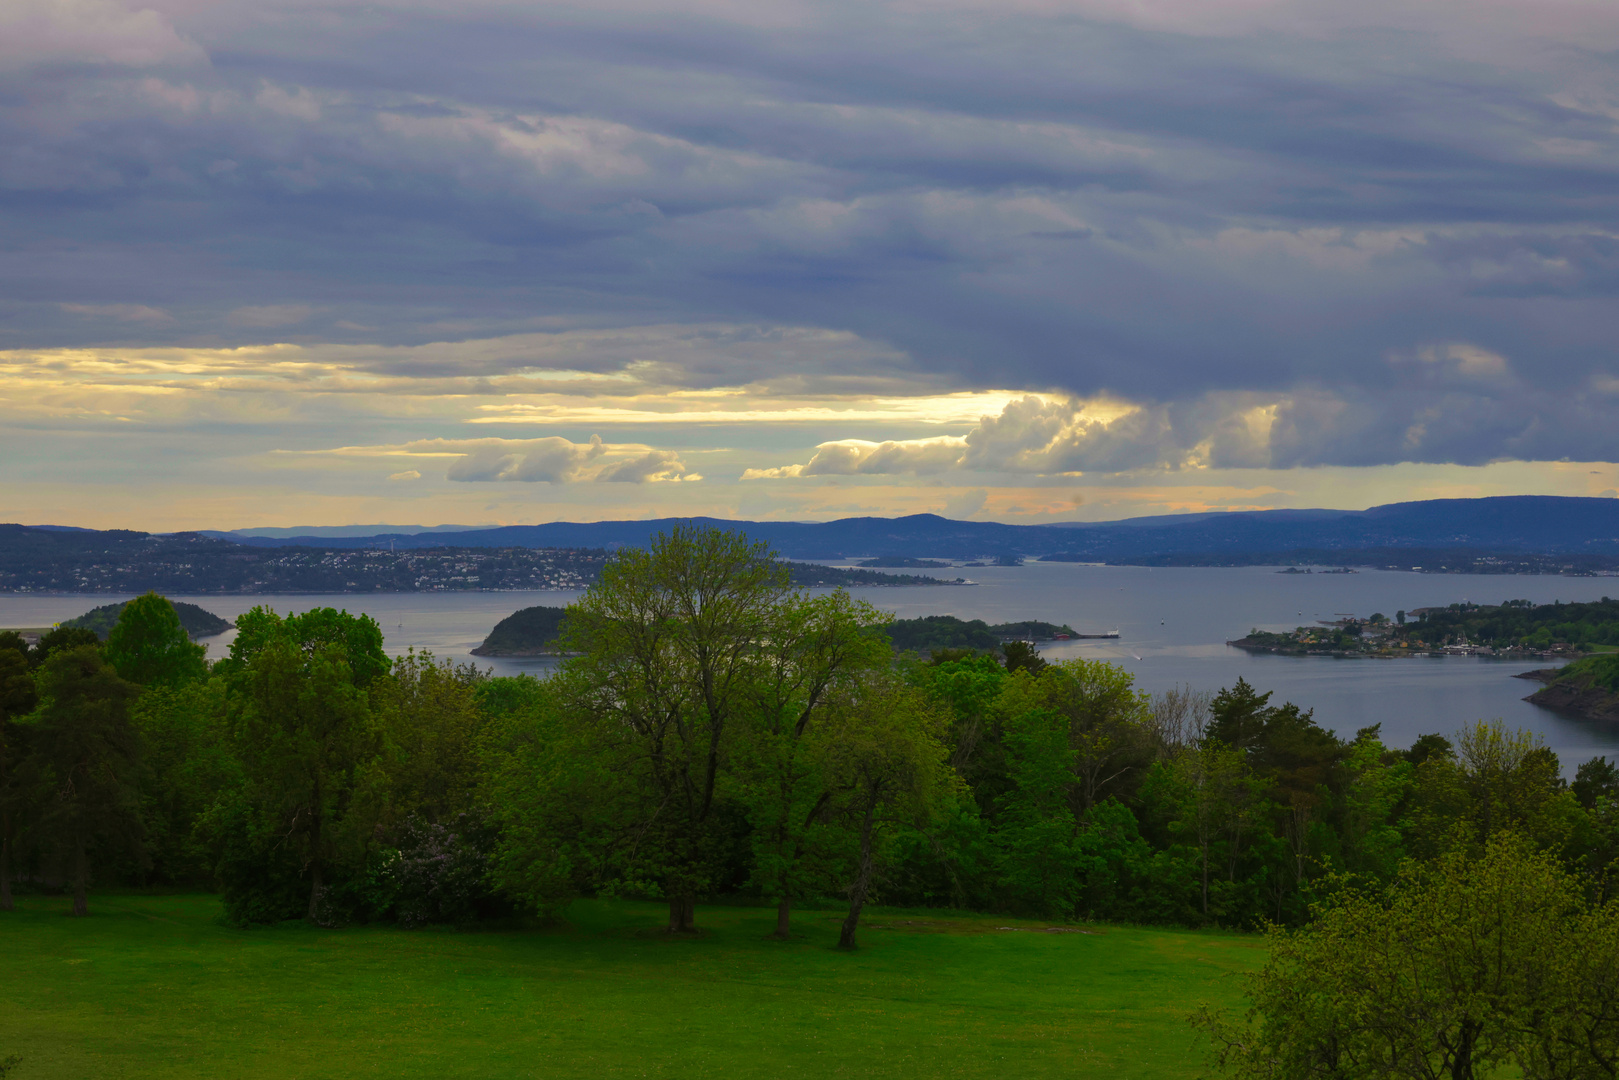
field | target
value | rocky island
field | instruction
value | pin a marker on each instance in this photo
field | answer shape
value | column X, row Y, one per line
column 1586, row 688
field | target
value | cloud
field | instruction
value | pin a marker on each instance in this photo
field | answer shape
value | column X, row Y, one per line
column 39, row 32
column 1033, row 239
column 550, row 460
column 269, row 315
column 136, row 313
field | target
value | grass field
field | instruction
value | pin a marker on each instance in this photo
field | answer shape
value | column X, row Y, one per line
column 156, row 987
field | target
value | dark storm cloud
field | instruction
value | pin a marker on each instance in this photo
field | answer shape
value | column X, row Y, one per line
column 1178, row 212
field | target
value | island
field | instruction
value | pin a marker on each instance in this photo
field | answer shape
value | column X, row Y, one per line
column 948, row 632
column 533, row 631
column 1587, row 688
column 197, row 622
column 1515, row 629
column 906, row 562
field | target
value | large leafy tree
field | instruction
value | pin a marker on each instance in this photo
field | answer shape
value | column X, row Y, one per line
column 149, row 647
column 891, row 774
column 308, row 738
column 1463, row 966
column 813, row 662
column 669, row 650
column 83, row 764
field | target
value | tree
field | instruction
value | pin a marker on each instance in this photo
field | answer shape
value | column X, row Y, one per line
column 891, row 771
column 669, row 648
column 63, row 637
column 149, row 647
column 17, row 699
column 83, row 764
column 187, row 765
column 815, row 659
column 1461, row 967
column 307, row 736
column 430, row 712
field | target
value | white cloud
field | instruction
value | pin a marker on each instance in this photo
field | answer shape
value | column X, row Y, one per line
column 35, row 32
column 408, row 474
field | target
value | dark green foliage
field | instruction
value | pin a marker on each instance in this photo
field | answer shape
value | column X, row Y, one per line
column 1595, row 779
column 149, row 647
column 934, row 632
column 1518, row 621
column 198, row 622
column 189, row 765
column 529, row 632
column 83, row 766
column 942, row 632
column 1429, row 746
column 63, row 637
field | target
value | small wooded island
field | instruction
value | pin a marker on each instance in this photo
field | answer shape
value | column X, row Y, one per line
column 535, row 631
column 197, row 622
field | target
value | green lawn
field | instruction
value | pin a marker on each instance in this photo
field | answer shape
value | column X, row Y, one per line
column 155, row 986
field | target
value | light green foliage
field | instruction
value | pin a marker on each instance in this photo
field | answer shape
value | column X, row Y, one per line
column 357, row 638
column 150, row 647
column 83, row 766
column 890, row 773
column 1376, row 783
column 1073, row 733
column 1464, row 966
column 812, row 667
column 668, row 642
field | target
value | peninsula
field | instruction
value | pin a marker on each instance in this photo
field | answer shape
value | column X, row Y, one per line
column 1515, row 629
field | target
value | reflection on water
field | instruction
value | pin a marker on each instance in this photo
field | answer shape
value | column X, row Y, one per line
column 1173, row 624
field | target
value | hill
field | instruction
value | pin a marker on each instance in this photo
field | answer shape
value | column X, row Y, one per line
column 1501, row 524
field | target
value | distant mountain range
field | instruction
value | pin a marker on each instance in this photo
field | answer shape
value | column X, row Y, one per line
column 1514, row 523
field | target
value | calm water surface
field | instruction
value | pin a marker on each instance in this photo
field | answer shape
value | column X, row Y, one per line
column 1173, row 625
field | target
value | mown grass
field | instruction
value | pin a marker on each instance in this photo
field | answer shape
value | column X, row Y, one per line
column 157, row 987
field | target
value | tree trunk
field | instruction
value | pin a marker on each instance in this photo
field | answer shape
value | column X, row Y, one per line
column 81, row 881
column 5, row 872
column 314, row 893
column 682, row 913
column 784, row 918
column 862, row 881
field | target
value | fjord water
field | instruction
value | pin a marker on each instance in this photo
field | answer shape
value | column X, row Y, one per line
column 1173, row 624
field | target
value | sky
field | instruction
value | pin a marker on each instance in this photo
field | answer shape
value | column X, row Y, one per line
column 324, row 262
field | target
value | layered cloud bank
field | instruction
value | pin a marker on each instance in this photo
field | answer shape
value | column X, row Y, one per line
column 805, row 258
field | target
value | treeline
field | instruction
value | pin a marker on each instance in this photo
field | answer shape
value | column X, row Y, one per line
column 715, row 733
column 1519, row 622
